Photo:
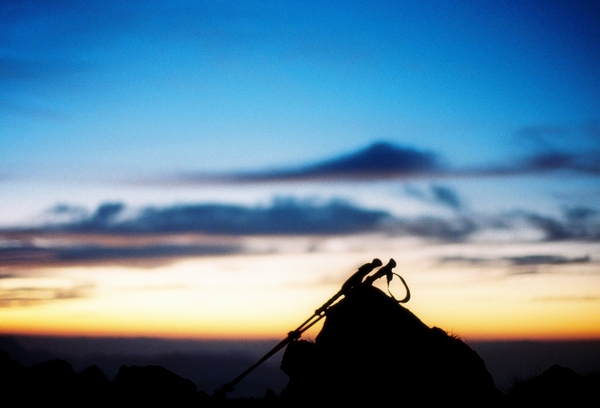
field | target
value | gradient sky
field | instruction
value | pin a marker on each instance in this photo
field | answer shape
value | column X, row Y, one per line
column 217, row 169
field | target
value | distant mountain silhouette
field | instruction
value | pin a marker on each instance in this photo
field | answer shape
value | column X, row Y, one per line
column 557, row 386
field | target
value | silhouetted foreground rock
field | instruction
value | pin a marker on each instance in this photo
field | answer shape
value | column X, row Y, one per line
column 371, row 349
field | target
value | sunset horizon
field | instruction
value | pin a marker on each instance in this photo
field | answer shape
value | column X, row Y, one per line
column 210, row 173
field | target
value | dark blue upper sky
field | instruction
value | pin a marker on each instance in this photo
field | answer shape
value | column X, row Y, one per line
column 434, row 108
column 155, row 87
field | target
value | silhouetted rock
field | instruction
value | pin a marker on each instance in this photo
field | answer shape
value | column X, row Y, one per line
column 557, row 386
column 11, row 377
column 50, row 381
column 92, row 385
column 371, row 349
column 153, row 385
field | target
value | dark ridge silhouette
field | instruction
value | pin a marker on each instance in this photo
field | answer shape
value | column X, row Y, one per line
column 557, row 386
column 152, row 385
column 93, row 385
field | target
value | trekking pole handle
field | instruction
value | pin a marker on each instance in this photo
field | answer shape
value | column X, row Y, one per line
column 351, row 282
column 383, row 271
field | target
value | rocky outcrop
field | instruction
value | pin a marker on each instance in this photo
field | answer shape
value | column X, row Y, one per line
column 372, row 349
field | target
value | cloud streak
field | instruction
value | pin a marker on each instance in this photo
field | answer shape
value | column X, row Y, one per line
column 114, row 234
column 527, row 260
column 153, row 236
column 387, row 161
column 380, row 160
column 31, row 295
column 32, row 255
column 284, row 216
column 437, row 194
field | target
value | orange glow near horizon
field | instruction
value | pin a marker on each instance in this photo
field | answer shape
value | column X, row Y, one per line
column 266, row 296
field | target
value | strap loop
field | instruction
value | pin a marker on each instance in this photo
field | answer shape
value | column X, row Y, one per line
column 389, row 278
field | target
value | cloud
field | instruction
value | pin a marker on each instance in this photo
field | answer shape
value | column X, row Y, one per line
column 530, row 261
column 146, row 255
column 290, row 216
column 447, row 196
column 30, row 295
column 436, row 228
column 437, row 194
column 285, row 216
column 576, row 223
column 380, row 160
column 587, row 163
column 560, row 148
column 388, row 161
column 115, row 234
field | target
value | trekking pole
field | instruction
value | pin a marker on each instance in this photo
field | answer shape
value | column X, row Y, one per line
column 383, row 271
column 387, row 272
column 353, row 281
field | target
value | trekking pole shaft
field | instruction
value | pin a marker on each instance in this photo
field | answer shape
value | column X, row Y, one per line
column 230, row 386
column 355, row 279
column 383, row 271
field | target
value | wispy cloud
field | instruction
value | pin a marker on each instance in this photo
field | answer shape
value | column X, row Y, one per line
column 454, row 229
column 112, row 235
column 285, row 216
column 576, row 223
column 289, row 216
column 552, row 148
column 526, row 260
column 547, row 260
column 50, row 255
column 388, row 161
column 381, row 160
column 436, row 194
column 115, row 234
column 33, row 295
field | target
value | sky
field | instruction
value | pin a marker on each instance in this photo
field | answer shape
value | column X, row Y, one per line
column 218, row 169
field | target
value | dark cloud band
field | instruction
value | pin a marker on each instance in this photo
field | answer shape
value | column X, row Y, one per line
column 379, row 161
column 384, row 161
column 110, row 235
column 284, row 216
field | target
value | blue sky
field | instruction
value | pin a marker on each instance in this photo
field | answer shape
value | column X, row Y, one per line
column 157, row 132
column 154, row 87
